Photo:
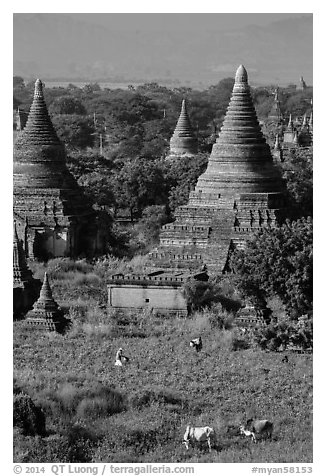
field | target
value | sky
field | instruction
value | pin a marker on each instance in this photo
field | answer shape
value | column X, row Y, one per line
column 152, row 21
column 194, row 47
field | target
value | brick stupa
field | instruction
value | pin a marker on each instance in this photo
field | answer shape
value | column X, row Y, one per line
column 240, row 192
column 25, row 287
column 46, row 314
column 53, row 217
column 183, row 142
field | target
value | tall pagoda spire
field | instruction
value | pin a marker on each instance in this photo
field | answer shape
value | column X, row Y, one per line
column 46, row 313
column 241, row 160
column 39, row 129
column 275, row 113
column 240, row 192
column 39, row 155
column 183, row 140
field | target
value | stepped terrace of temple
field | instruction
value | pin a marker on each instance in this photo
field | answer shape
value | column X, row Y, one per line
column 183, row 141
column 240, row 192
column 52, row 215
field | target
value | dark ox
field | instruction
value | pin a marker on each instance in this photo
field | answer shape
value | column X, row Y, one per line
column 261, row 428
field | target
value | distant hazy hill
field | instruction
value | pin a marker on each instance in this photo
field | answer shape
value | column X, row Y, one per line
column 56, row 46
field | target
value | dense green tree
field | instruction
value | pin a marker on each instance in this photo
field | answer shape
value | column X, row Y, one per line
column 298, row 173
column 181, row 175
column 145, row 233
column 138, row 184
column 76, row 131
column 67, row 105
column 18, row 82
column 284, row 333
column 278, row 261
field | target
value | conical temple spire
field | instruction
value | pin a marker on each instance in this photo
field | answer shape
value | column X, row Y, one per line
column 241, row 76
column 290, row 124
column 183, row 140
column 46, row 293
column 46, row 313
column 241, row 160
column 39, row 129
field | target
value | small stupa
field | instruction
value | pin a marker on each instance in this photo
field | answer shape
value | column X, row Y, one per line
column 289, row 134
column 183, row 142
column 277, row 151
column 46, row 314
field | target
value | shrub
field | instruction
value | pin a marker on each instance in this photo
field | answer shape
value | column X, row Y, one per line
column 100, row 403
column 28, row 416
column 68, row 396
column 146, row 397
column 220, row 318
column 286, row 333
column 90, row 279
column 198, row 293
column 240, row 342
column 74, row 446
column 57, row 267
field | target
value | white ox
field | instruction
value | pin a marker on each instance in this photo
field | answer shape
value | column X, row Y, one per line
column 253, row 428
column 199, row 435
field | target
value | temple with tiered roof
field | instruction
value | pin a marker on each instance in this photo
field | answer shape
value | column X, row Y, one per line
column 240, row 192
column 183, row 141
column 53, row 216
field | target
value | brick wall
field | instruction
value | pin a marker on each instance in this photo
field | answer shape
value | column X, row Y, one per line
column 146, row 297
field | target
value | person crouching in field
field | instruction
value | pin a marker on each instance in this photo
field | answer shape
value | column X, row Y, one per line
column 119, row 358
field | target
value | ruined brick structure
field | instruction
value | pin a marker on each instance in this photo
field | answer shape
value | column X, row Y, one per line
column 52, row 215
column 240, row 192
column 25, row 287
column 46, row 314
column 183, row 141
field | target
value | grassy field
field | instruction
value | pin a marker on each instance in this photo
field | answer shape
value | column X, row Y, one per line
column 96, row 412
column 138, row 413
